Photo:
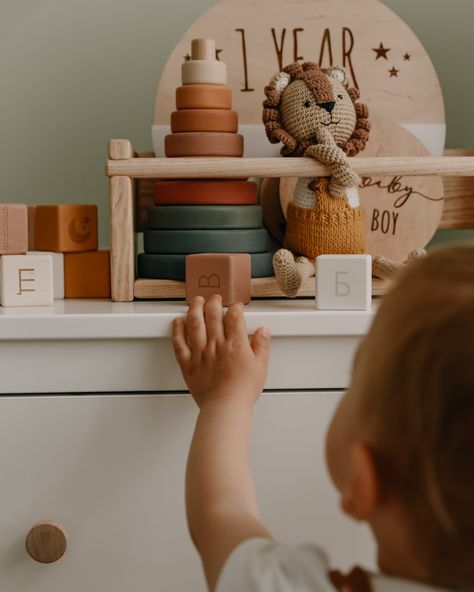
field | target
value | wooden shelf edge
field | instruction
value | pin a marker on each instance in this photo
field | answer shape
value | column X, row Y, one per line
column 146, row 289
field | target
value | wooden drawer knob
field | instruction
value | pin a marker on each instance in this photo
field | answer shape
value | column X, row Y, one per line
column 46, row 542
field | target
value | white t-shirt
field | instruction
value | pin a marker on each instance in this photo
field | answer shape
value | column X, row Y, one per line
column 262, row 565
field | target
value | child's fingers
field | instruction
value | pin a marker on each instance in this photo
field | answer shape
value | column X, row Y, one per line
column 260, row 344
column 213, row 315
column 234, row 322
column 180, row 345
column 195, row 326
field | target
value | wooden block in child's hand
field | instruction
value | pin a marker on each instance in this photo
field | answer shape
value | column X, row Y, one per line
column 26, row 280
column 227, row 274
column 13, row 229
column 58, row 271
column 343, row 282
column 87, row 274
column 66, row 228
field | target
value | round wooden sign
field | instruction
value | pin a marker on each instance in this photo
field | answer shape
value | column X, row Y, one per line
column 401, row 213
column 256, row 38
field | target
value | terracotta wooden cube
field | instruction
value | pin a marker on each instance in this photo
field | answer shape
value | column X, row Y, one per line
column 26, row 280
column 13, row 229
column 87, row 274
column 227, row 274
column 66, row 228
column 31, row 227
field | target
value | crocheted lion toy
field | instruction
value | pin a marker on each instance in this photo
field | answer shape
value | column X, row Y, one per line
column 313, row 112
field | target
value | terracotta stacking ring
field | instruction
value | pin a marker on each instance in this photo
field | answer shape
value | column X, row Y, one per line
column 204, row 120
column 204, row 144
column 250, row 240
column 203, row 96
column 205, row 193
column 204, row 217
column 172, row 267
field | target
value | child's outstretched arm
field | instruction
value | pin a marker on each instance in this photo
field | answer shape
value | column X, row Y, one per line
column 225, row 373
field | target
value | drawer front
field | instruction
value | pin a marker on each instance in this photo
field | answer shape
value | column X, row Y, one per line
column 118, row 365
column 110, row 469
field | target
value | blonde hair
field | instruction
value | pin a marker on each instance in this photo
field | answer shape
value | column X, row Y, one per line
column 418, row 404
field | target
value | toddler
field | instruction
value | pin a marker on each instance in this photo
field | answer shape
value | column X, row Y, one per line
column 400, row 448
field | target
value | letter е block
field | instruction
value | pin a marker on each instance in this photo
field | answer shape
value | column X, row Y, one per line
column 227, row 274
column 26, row 280
column 343, row 282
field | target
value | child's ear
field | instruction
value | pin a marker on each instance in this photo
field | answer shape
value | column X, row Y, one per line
column 361, row 494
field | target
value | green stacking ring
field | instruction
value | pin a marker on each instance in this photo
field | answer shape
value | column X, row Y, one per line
column 172, row 267
column 205, row 217
column 185, row 242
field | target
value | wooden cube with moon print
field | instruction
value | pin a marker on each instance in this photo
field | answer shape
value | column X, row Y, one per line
column 13, row 229
column 226, row 274
column 26, row 280
column 31, row 227
column 343, row 282
column 87, row 274
column 66, row 228
column 58, row 271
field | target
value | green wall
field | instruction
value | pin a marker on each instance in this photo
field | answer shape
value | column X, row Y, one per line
column 74, row 73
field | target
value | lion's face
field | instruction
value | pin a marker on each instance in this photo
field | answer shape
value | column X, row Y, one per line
column 302, row 115
column 303, row 102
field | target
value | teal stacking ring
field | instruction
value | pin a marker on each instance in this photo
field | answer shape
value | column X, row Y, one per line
column 213, row 217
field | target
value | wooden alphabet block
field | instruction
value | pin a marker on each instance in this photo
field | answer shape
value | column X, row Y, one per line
column 343, row 282
column 13, row 229
column 227, row 274
column 66, row 228
column 87, row 274
column 58, row 271
column 26, row 280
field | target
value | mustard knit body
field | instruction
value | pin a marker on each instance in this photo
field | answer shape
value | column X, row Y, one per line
column 331, row 227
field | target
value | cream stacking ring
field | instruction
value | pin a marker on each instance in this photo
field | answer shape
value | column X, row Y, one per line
column 203, row 68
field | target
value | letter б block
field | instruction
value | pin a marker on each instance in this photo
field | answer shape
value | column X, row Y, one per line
column 343, row 282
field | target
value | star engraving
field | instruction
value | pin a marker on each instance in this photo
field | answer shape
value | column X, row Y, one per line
column 407, row 57
column 394, row 72
column 218, row 51
column 187, row 58
column 381, row 52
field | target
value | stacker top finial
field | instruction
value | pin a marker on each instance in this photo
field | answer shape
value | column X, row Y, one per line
column 203, row 49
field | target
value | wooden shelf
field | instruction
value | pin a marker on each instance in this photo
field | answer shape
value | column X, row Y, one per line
column 202, row 168
column 146, row 289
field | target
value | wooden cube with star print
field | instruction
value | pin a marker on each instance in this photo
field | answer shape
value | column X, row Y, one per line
column 66, row 228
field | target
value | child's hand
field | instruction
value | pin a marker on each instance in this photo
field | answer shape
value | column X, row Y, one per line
column 215, row 355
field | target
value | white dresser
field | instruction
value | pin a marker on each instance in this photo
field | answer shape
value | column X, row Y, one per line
column 95, row 424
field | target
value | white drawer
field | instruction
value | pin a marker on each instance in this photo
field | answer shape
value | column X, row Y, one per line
column 110, row 469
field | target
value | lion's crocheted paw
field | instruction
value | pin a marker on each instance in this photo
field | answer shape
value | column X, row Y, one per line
column 286, row 272
column 385, row 269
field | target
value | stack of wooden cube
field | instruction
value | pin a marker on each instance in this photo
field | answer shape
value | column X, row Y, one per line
column 49, row 252
column 217, row 223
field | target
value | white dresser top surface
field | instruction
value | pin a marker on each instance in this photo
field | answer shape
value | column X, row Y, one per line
column 103, row 319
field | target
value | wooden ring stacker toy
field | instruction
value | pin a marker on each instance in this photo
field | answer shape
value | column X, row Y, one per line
column 204, row 96
column 206, row 193
column 204, row 217
column 204, row 144
column 251, row 240
column 172, row 267
column 204, row 120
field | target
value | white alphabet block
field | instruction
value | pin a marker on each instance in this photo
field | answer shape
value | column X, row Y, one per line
column 26, row 280
column 343, row 282
column 58, row 271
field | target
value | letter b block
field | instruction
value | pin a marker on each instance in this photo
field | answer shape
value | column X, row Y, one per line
column 227, row 274
column 26, row 280
column 343, row 282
